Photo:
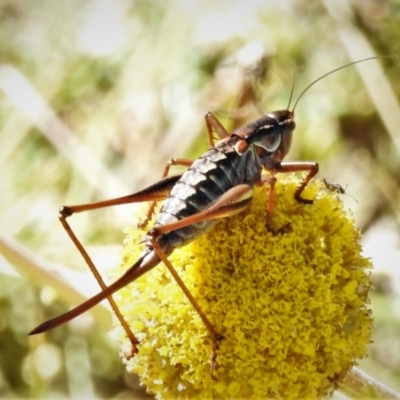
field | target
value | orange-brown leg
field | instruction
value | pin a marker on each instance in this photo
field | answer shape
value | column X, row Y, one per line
column 215, row 336
column 271, row 181
column 231, row 203
column 157, row 191
column 312, row 169
column 213, row 125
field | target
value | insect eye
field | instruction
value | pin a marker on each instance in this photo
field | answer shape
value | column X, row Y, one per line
column 269, row 141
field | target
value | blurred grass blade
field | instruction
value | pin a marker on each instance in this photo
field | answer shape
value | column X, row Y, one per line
column 372, row 74
column 41, row 273
column 358, row 385
column 29, row 102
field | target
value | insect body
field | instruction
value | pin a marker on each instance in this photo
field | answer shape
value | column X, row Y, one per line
column 220, row 182
column 216, row 185
column 336, row 188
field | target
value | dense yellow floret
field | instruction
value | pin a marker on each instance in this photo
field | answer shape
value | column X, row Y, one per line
column 292, row 307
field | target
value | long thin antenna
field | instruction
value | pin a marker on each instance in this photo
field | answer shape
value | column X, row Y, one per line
column 292, row 89
column 331, row 72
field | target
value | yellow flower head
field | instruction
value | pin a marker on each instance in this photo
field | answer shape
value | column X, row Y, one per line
column 292, row 307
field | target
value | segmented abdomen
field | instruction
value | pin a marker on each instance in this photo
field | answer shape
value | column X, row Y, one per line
column 210, row 176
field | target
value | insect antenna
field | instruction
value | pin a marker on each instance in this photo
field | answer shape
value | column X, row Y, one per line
column 292, row 89
column 331, row 72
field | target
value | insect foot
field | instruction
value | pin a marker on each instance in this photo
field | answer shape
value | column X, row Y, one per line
column 129, row 354
column 282, row 230
column 216, row 339
column 143, row 223
column 252, row 287
column 301, row 199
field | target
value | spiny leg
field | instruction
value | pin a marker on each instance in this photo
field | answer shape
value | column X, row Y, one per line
column 158, row 191
column 284, row 167
column 271, row 181
column 135, row 271
column 213, row 125
column 132, row 338
column 215, row 336
column 311, row 167
column 234, row 201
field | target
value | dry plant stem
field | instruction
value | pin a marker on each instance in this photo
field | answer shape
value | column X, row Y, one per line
column 357, row 45
column 358, row 385
column 34, row 106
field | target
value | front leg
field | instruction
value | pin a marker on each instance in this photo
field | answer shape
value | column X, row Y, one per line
column 294, row 166
column 271, row 181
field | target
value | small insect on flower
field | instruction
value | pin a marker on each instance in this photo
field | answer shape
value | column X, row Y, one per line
column 335, row 187
column 261, row 319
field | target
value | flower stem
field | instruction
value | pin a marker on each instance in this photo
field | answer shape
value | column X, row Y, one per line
column 358, row 384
